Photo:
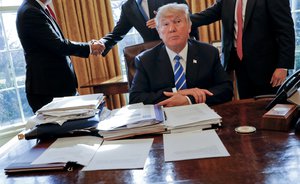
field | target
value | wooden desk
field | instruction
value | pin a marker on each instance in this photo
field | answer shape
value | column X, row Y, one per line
column 108, row 86
column 261, row 157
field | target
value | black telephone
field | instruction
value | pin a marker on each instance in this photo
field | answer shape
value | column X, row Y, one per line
column 287, row 89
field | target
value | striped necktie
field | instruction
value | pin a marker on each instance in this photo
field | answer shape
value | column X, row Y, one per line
column 179, row 75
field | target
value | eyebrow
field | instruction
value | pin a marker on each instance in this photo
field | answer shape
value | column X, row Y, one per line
column 175, row 18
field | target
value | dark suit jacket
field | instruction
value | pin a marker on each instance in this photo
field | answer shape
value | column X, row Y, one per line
column 268, row 35
column 49, row 70
column 154, row 74
column 132, row 17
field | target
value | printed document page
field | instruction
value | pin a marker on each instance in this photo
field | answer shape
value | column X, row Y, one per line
column 193, row 145
column 183, row 115
column 127, row 115
column 90, row 101
column 120, row 154
column 71, row 149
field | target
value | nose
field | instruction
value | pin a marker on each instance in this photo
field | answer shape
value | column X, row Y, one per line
column 172, row 28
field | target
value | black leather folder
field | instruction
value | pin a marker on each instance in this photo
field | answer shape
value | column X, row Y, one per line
column 27, row 167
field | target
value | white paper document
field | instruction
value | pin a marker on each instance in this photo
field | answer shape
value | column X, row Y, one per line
column 127, row 115
column 90, row 101
column 183, row 115
column 71, row 149
column 295, row 98
column 193, row 145
column 120, row 154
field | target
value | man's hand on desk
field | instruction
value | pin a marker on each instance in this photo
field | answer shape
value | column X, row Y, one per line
column 97, row 47
column 175, row 99
column 198, row 94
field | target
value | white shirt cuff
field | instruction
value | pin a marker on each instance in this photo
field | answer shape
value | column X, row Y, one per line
column 190, row 102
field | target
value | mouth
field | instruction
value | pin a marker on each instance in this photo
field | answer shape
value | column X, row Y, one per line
column 174, row 37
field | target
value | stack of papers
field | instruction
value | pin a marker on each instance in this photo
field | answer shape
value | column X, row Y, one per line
column 67, row 108
column 191, row 118
column 131, row 120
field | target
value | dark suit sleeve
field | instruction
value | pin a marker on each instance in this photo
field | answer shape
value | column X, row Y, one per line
column 36, row 26
column 283, row 27
column 222, row 85
column 119, row 32
column 207, row 16
column 141, row 88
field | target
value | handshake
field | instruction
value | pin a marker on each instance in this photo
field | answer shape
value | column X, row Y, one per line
column 97, row 47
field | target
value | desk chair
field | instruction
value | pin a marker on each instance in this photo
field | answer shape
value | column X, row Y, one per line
column 118, row 85
column 130, row 52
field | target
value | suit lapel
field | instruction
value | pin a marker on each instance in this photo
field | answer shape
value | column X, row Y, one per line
column 164, row 61
column 249, row 10
column 135, row 12
column 192, row 64
column 53, row 23
column 153, row 6
column 231, row 13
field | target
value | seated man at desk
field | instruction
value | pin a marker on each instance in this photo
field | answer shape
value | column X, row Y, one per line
column 179, row 71
column 139, row 14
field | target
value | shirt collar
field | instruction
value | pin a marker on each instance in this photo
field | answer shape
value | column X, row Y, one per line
column 182, row 53
column 42, row 4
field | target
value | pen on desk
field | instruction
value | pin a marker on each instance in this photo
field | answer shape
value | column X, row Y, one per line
column 30, row 134
column 165, row 115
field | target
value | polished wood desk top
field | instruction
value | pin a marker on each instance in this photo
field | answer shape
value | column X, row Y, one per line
column 108, row 86
column 260, row 157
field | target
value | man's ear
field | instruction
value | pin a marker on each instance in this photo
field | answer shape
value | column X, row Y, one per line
column 190, row 26
column 158, row 32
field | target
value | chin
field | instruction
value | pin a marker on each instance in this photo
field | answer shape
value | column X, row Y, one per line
column 176, row 43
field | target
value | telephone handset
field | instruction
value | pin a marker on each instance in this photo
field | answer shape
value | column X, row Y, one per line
column 287, row 89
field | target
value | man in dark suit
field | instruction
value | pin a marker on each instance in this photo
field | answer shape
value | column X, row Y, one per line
column 191, row 68
column 267, row 42
column 135, row 15
column 49, row 71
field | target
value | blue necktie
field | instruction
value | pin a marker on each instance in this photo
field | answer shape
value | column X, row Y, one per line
column 139, row 2
column 179, row 75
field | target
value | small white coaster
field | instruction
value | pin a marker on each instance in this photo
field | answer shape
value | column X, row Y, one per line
column 245, row 129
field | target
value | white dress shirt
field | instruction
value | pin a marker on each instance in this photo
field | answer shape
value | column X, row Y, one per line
column 145, row 6
column 42, row 4
column 182, row 54
column 235, row 18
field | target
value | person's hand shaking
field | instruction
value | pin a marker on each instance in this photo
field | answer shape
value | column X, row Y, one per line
column 97, row 47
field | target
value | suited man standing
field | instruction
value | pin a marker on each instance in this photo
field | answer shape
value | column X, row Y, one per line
column 191, row 68
column 258, row 41
column 49, row 71
column 140, row 15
